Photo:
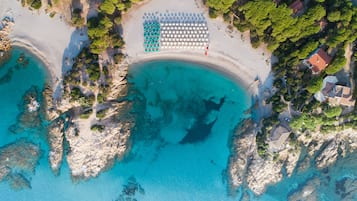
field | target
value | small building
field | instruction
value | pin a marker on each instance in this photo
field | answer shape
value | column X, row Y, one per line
column 278, row 138
column 318, row 60
column 335, row 94
column 343, row 96
column 297, row 7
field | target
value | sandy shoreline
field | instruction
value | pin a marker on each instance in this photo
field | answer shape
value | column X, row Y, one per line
column 42, row 58
column 218, row 64
column 230, row 52
column 56, row 43
column 50, row 39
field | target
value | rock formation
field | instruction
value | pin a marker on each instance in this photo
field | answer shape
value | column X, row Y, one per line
column 92, row 151
column 325, row 149
column 247, row 168
column 5, row 28
column 93, row 143
column 55, row 139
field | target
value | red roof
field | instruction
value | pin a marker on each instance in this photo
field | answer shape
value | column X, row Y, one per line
column 296, row 6
column 319, row 60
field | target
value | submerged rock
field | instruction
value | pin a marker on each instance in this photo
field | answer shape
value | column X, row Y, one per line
column 130, row 190
column 346, row 188
column 28, row 119
column 18, row 182
column 308, row 192
column 16, row 160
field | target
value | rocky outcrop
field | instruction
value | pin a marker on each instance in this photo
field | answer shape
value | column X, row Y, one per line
column 55, row 139
column 328, row 155
column 50, row 108
column 243, row 148
column 118, row 86
column 5, row 28
column 246, row 167
column 325, row 149
column 93, row 143
column 93, row 151
column 263, row 172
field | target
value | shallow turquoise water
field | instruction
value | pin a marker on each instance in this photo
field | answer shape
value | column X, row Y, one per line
column 173, row 99
column 185, row 115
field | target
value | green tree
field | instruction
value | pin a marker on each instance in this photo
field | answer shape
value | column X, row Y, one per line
column 77, row 19
column 36, row 4
column 334, row 16
column 108, row 6
column 220, row 5
column 337, row 63
column 333, row 112
column 315, row 85
column 306, row 121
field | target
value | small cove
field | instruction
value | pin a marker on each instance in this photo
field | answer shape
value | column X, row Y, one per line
column 177, row 101
column 185, row 115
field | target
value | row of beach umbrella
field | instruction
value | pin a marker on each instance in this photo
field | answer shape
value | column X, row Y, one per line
column 174, row 31
column 184, row 39
column 151, row 36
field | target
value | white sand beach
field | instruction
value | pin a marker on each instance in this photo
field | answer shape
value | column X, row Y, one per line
column 51, row 39
column 57, row 43
column 229, row 52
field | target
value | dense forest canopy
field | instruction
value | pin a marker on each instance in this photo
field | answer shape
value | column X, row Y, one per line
column 293, row 35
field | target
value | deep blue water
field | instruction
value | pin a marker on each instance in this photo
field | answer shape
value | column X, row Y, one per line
column 185, row 116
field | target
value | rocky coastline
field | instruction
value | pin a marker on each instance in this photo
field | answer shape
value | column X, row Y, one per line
column 5, row 42
column 92, row 144
column 247, row 168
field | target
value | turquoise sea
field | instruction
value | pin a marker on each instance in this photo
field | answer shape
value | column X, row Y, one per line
column 185, row 117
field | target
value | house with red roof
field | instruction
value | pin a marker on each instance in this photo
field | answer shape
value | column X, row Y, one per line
column 318, row 60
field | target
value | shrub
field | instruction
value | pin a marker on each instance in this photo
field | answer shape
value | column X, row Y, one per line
column 118, row 58
column 117, row 20
column 212, row 13
column 77, row 19
column 36, row 4
column 101, row 114
column 93, row 72
column 86, row 113
column 76, row 93
column 107, row 7
column 97, row 127
column 100, row 98
column 333, row 112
